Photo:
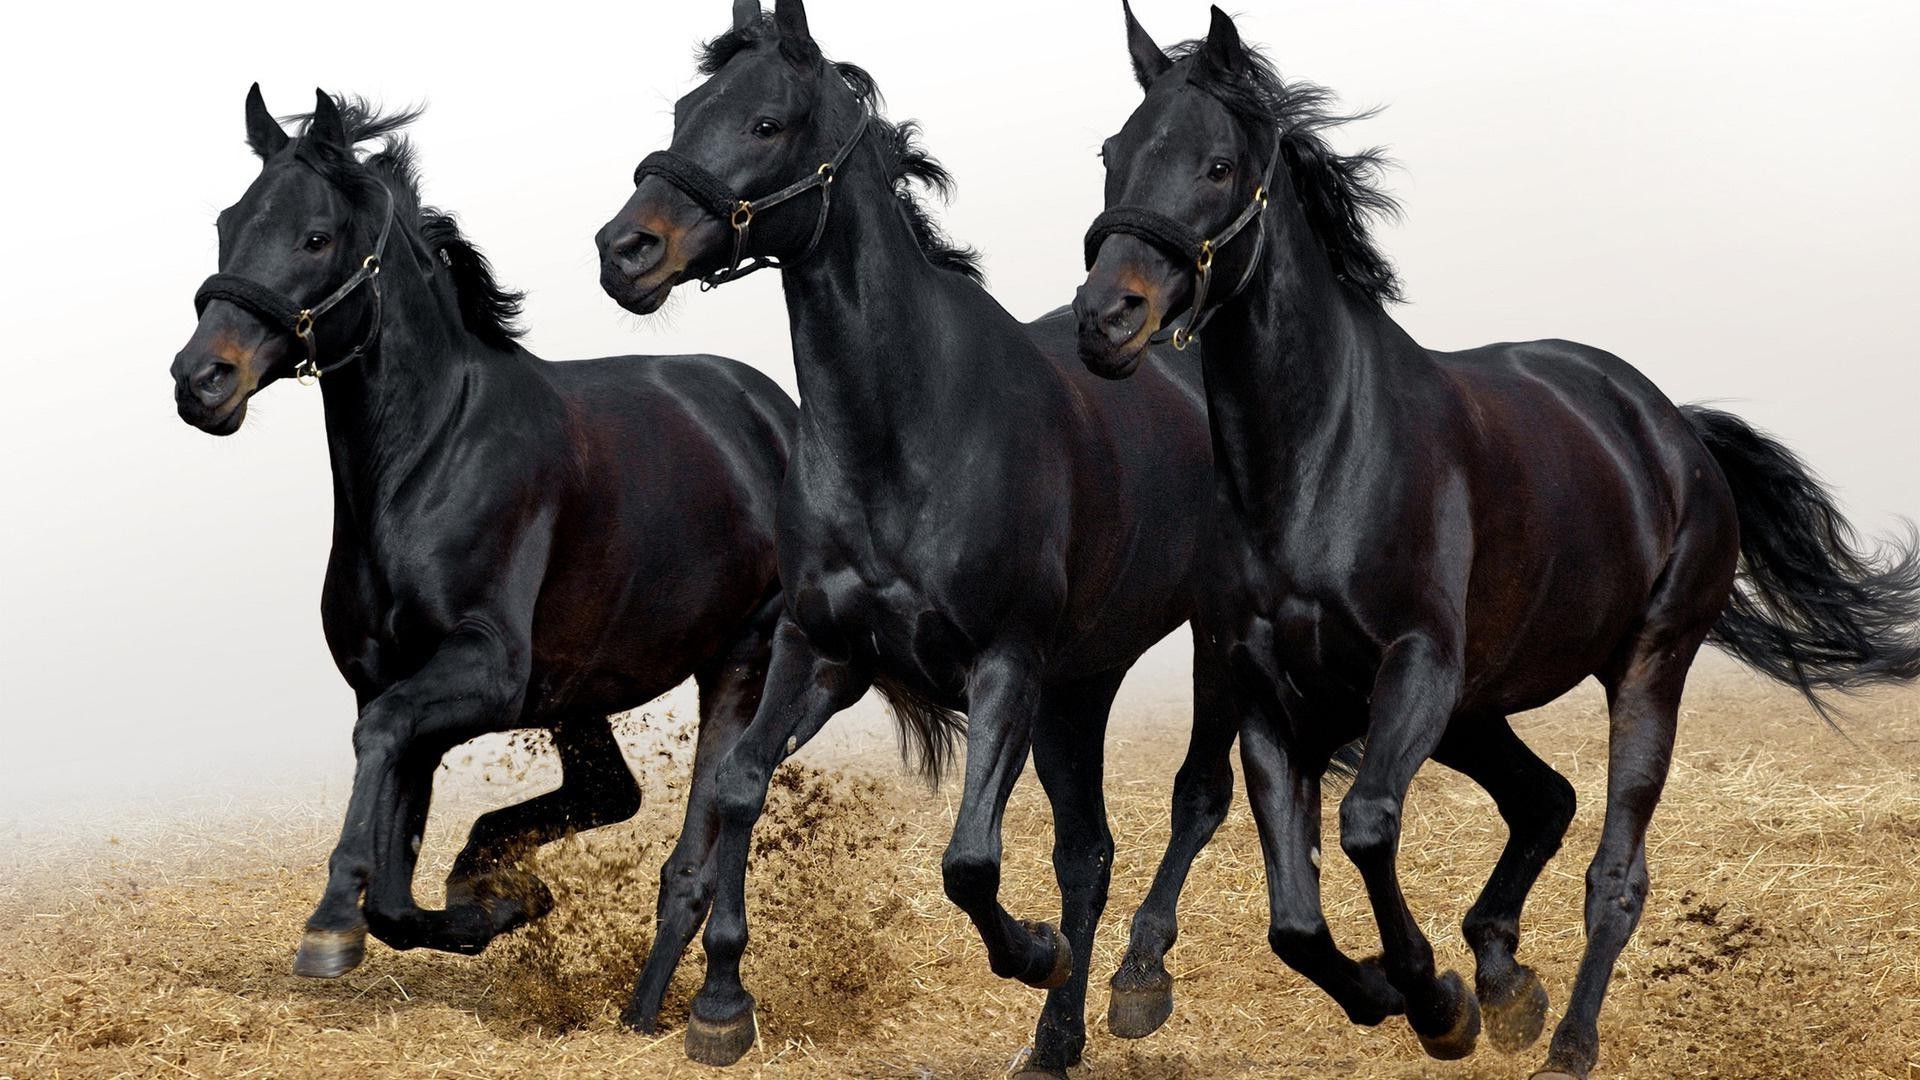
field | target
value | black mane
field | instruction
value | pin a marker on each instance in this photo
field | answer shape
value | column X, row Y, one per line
column 1341, row 193
column 907, row 162
column 490, row 310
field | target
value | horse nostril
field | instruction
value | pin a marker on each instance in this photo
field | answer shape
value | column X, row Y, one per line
column 1122, row 319
column 638, row 250
column 215, row 382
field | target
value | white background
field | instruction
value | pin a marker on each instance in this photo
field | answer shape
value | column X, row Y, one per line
column 1722, row 192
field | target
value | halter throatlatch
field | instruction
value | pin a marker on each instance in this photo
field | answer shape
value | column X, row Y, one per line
column 280, row 310
column 718, row 199
column 1185, row 245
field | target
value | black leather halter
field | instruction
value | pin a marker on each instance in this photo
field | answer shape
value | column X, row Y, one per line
column 718, row 199
column 283, row 312
column 1184, row 244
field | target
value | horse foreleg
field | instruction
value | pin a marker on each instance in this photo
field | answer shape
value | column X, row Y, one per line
column 803, row 691
column 467, row 688
column 731, row 690
column 1284, row 792
column 1003, row 699
column 1414, row 695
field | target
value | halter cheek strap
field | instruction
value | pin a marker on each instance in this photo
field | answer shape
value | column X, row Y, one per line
column 1185, row 244
column 717, row 198
column 278, row 309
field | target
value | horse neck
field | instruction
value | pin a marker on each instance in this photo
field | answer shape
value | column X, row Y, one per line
column 383, row 409
column 871, row 355
column 1290, row 364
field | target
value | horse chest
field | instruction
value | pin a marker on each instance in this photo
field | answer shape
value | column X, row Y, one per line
column 382, row 613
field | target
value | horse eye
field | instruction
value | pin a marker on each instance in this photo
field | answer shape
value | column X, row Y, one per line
column 1219, row 171
column 318, row 241
column 766, row 128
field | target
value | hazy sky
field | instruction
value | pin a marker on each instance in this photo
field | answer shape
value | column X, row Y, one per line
column 1723, row 193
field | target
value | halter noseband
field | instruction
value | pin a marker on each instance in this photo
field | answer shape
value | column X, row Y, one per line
column 718, row 199
column 1182, row 243
column 280, row 310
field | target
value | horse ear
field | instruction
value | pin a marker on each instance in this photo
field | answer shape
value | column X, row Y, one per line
column 790, row 16
column 1149, row 63
column 264, row 133
column 326, row 125
column 1223, row 42
column 745, row 13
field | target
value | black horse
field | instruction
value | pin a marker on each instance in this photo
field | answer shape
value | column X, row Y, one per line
column 516, row 544
column 1416, row 545
column 972, row 520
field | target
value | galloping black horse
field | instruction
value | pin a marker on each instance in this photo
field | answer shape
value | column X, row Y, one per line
column 1415, row 545
column 516, row 543
column 972, row 520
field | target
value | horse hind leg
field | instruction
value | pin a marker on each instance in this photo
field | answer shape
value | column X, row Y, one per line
column 1068, row 758
column 1537, row 804
column 487, row 895
column 1142, row 997
column 1643, row 706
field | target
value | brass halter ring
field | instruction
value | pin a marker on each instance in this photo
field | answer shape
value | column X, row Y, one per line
column 742, row 216
column 1205, row 261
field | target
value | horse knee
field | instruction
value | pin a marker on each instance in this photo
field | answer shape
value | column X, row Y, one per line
column 971, row 878
column 381, row 732
column 1298, row 942
column 1204, row 795
column 1369, row 827
column 739, row 794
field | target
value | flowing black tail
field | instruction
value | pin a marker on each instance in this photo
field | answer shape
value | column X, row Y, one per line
column 928, row 731
column 1809, row 607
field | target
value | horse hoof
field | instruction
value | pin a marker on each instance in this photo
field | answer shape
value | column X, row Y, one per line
column 1516, row 1018
column 1556, row 1074
column 1033, row 1073
column 721, row 1042
column 329, row 954
column 1457, row 1042
column 1062, row 968
column 1135, row 1012
column 511, row 898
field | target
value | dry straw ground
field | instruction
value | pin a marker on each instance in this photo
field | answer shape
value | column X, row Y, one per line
column 1782, row 938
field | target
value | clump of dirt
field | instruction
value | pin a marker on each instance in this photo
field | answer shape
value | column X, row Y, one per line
column 822, row 905
column 1707, row 943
